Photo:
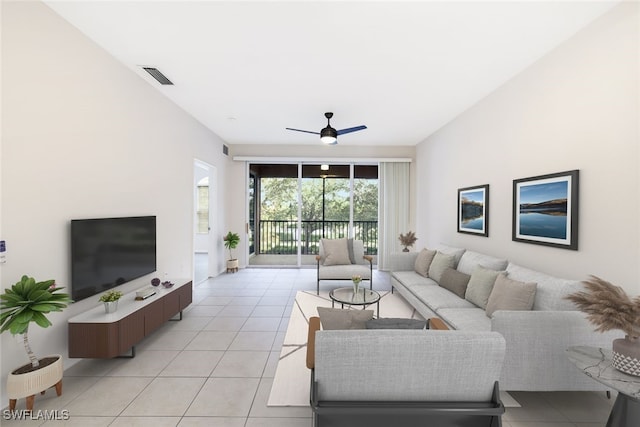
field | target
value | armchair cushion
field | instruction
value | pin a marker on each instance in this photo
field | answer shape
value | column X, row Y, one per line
column 336, row 252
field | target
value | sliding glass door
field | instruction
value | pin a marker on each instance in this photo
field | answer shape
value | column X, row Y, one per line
column 293, row 206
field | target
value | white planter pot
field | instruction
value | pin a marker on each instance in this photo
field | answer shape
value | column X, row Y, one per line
column 31, row 383
column 110, row 306
column 232, row 265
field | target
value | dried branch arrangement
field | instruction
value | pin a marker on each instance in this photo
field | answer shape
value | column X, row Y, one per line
column 407, row 240
column 608, row 306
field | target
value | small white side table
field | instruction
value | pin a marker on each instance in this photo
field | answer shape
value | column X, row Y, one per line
column 596, row 363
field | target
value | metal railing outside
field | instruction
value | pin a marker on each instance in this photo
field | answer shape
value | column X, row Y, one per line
column 281, row 236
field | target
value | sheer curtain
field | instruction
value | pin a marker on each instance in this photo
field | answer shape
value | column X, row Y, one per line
column 393, row 209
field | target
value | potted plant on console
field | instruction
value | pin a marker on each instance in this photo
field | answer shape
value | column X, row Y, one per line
column 110, row 300
column 231, row 241
column 25, row 302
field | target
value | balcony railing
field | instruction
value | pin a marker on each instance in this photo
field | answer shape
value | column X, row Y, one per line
column 281, row 236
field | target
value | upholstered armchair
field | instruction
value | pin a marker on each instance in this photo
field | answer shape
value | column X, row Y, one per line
column 341, row 259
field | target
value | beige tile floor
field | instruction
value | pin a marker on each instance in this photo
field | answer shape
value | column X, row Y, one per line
column 216, row 366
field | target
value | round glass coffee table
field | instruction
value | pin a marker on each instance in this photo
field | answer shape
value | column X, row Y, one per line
column 346, row 296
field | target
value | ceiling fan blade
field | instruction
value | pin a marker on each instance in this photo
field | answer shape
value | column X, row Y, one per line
column 353, row 129
column 305, row 131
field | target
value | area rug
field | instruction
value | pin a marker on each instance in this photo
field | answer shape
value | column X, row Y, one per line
column 292, row 379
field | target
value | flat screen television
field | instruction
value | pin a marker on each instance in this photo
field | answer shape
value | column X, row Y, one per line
column 108, row 252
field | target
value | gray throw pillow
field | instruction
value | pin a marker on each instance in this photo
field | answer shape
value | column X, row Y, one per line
column 336, row 252
column 338, row 318
column 455, row 281
column 509, row 294
column 396, row 323
column 423, row 262
column 439, row 264
column 480, row 286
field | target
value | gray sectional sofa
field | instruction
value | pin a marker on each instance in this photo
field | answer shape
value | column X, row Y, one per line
column 536, row 338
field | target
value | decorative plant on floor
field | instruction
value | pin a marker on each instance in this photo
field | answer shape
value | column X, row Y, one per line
column 609, row 307
column 231, row 241
column 407, row 240
column 29, row 301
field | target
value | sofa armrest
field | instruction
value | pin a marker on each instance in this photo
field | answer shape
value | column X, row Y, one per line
column 437, row 324
column 537, row 341
column 402, row 261
column 314, row 325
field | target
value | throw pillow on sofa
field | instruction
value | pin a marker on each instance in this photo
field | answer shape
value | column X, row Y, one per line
column 439, row 264
column 455, row 281
column 336, row 252
column 423, row 262
column 509, row 294
column 480, row 286
column 338, row 318
column 396, row 323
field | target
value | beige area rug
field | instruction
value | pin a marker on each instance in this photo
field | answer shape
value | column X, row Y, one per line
column 292, row 379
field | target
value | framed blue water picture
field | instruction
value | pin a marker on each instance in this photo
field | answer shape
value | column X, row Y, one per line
column 545, row 210
column 473, row 210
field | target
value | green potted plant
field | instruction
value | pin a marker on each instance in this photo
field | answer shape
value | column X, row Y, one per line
column 25, row 302
column 231, row 241
column 110, row 300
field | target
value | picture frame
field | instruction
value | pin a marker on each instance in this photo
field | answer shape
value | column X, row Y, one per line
column 545, row 210
column 473, row 210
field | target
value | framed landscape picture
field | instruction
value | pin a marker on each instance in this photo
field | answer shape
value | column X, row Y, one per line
column 473, row 210
column 545, row 210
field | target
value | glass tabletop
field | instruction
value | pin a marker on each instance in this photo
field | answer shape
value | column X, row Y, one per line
column 346, row 296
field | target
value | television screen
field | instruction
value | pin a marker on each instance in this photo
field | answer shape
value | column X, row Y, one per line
column 109, row 252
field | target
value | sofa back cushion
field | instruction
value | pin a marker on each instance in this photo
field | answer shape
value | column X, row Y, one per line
column 450, row 250
column 550, row 291
column 470, row 260
column 407, row 365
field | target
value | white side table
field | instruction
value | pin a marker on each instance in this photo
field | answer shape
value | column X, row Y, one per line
column 596, row 363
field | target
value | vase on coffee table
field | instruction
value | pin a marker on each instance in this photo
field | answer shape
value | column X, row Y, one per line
column 356, row 283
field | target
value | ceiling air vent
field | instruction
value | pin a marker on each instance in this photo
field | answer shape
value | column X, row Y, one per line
column 156, row 74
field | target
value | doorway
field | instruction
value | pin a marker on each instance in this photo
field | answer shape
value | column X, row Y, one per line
column 204, row 247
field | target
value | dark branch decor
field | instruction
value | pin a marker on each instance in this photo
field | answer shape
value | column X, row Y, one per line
column 545, row 210
column 473, row 210
column 609, row 307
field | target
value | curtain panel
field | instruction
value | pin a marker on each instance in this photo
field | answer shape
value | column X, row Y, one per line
column 394, row 215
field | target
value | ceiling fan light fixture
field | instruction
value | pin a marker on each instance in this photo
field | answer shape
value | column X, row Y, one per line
column 329, row 136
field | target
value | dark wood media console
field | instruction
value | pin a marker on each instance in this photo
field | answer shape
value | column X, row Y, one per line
column 95, row 334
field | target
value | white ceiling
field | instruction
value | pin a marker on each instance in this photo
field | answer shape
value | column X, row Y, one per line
column 248, row 70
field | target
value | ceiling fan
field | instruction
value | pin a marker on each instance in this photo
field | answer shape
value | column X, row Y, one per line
column 329, row 135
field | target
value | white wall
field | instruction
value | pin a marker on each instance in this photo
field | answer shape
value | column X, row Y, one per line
column 576, row 108
column 237, row 173
column 83, row 136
